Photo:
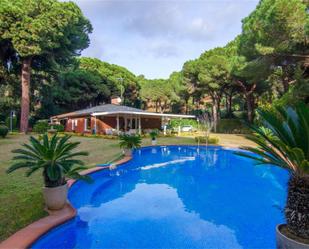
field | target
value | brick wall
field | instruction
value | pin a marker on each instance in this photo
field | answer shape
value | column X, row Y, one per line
column 79, row 125
column 104, row 123
column 151, row 123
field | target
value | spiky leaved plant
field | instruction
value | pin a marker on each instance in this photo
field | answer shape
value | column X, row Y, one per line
column 154, row 134
column 283, row 140
column 55, row 156
column 130, row 141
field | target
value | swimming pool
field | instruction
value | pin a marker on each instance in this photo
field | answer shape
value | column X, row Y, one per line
column 176, row 197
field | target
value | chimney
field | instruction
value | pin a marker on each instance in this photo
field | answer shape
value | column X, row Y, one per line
column 116, row 100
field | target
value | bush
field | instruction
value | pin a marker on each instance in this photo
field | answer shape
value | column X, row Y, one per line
column 41, row 126
column 14, row 122
column 4, row 130
column 2, row 116
column 232, row 126
column 211, row 140
column 57, row 127
column 174, row 123
column 240, row 114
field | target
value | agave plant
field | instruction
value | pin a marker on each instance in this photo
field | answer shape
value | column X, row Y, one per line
column 283, row 140
column 130, row 141
column 55, row 156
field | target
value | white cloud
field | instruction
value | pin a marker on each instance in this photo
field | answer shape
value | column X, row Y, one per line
column 161, row 204
column 156, row 37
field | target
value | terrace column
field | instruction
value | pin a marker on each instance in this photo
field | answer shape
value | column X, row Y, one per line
column 125, row 123
column 139, row 125
column 136, row 125
column 117, row 128
column 95, row 124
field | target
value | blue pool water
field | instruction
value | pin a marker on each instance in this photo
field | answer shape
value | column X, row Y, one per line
column 176, row 197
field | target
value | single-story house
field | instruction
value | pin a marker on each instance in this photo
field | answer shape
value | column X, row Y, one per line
column 113, row 119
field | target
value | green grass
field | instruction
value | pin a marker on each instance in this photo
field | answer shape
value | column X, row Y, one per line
column 21, row 200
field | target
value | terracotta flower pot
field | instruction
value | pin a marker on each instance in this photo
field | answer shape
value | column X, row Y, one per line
column 154, row 142
column 127, row 152
column 55, row 198
column 284, row 242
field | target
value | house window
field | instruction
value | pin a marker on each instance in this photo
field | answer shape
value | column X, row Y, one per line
column 87, row 124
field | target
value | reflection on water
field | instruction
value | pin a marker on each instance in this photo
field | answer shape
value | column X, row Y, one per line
column 158, row 165
column 176, row 196
column 164, row 210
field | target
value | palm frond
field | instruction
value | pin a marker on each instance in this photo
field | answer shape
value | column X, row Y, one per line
column 71, row 155
column 130, row 141
column 54, row 155
column 19, row 165
column 283, row 140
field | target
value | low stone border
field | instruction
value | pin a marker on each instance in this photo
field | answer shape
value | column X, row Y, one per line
column 25, row 237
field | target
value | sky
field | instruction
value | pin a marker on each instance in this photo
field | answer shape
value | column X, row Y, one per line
column 155, row 37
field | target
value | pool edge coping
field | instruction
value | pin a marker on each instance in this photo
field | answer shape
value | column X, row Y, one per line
column 26, row 236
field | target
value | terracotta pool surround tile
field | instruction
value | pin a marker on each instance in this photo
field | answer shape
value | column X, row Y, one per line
column 25, row 237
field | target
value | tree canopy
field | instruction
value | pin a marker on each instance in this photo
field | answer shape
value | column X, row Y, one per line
column 267, row 63
column 41, row 30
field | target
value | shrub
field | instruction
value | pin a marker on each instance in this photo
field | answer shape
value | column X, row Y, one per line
column 232, row 126
column 58, row 127
column 240, row 114
column 211, row 140
column 41, row 126
column 14, row 122
column 4, row 130
column 2, row 117
column 174, row 123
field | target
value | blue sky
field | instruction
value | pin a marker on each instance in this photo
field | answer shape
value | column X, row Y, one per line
column 155, row 37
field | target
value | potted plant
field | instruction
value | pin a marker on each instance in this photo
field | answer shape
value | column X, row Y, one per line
column 56, row 158
column 153, row 135
column 4, row 130
column 129, row 142
column 283, row 140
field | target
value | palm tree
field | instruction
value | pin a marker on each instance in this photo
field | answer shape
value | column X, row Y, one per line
column 54, row 156
column 283, row 140
column 130, row 141
column 153, row 134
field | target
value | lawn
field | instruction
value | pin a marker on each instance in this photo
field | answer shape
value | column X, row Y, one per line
column 21, row 200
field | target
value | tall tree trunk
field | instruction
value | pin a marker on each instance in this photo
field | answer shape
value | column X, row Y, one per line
column 215, row 112
column 25, row 94
column 248, row 91
column 285, row 79
column 285, row 83
column 297, row 206
column 160, row 105
column 229, row 105
column 186, row 106
column 218, row 108
column 250, row 107
column 226, row 104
